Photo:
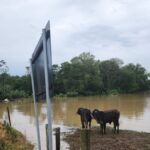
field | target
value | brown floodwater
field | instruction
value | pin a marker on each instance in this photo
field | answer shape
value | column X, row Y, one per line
column 134, row 109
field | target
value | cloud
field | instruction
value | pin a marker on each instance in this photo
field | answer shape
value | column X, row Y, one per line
column 106, row 28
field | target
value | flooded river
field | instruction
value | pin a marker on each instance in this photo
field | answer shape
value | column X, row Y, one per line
column 134, row 109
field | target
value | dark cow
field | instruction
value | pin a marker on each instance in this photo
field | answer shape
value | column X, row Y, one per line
column 103, row 117
column 85, row 115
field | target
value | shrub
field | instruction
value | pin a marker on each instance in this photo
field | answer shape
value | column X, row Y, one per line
column 72, row 94
column 16, row 94
column 113, row 92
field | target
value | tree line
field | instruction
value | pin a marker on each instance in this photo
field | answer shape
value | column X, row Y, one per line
column 82, row 75
column 13, row 87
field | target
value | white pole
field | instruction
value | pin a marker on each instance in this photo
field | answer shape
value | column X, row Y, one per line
column 35, row 108
column 47, row 90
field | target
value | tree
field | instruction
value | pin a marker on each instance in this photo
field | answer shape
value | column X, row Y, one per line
column 3, row 72
column 13, row 86
column 110, row 72
column 80, row 75
column 141, row 77
column 3, row 67
column 27, row 70
column 134, row 78
column 128, row 79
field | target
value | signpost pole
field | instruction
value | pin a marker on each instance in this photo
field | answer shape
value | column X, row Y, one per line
column 35, row 109
column 47, row 90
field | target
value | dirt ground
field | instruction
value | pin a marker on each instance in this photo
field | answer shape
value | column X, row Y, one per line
column 125, row 140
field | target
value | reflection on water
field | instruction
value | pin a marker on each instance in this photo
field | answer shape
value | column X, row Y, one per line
column 129, row 106
column 134, row 109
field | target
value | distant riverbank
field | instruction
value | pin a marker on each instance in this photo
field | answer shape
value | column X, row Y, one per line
column 125, row 140
column 111, row 93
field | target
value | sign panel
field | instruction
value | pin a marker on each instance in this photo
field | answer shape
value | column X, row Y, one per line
column 38, row 65
column 41, row 75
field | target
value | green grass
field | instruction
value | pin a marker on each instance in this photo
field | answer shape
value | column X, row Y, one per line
column 13, row 139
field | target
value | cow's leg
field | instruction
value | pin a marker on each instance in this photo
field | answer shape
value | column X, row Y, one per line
column 89, row 124
column 101, row 129
column 104, row 128
column 118, row 127
column 114, row 127
column 86, row 124
column 82, row 122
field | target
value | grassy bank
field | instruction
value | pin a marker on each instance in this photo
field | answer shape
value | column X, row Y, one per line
column 126, row 140
column 11, row 139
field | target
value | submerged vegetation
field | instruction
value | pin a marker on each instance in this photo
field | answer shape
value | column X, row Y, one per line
column 83, row 75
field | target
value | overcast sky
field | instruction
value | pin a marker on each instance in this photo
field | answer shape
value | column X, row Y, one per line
column 105, row 28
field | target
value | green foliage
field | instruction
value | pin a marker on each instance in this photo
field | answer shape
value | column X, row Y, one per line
column 113, row 92
column 134, row 78
column 11, row 133
column 84, row 75
column 17, row 94
column 72, row 94
column 110, row 73
column 2, row 144
column 13, row 139
column 60, row 95
column 14, row 86
column 79, row 75
column 3, row 67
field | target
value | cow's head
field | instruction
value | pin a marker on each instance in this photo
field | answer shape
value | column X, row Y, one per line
column 79, row 111
column 97, row 115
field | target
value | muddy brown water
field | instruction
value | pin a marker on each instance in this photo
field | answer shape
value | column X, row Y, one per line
column 135, row 114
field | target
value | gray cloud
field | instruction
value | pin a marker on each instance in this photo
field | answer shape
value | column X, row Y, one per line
column 106, row 28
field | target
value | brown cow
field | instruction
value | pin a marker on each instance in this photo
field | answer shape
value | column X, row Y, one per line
column 85, row 115
column 103, row 117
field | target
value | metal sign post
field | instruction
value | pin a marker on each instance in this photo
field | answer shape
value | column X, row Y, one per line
column 47, row 90
column 35, row 109
column 41, row 73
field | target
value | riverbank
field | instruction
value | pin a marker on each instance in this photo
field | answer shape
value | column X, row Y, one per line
column 11, row 139
column 125, row 140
